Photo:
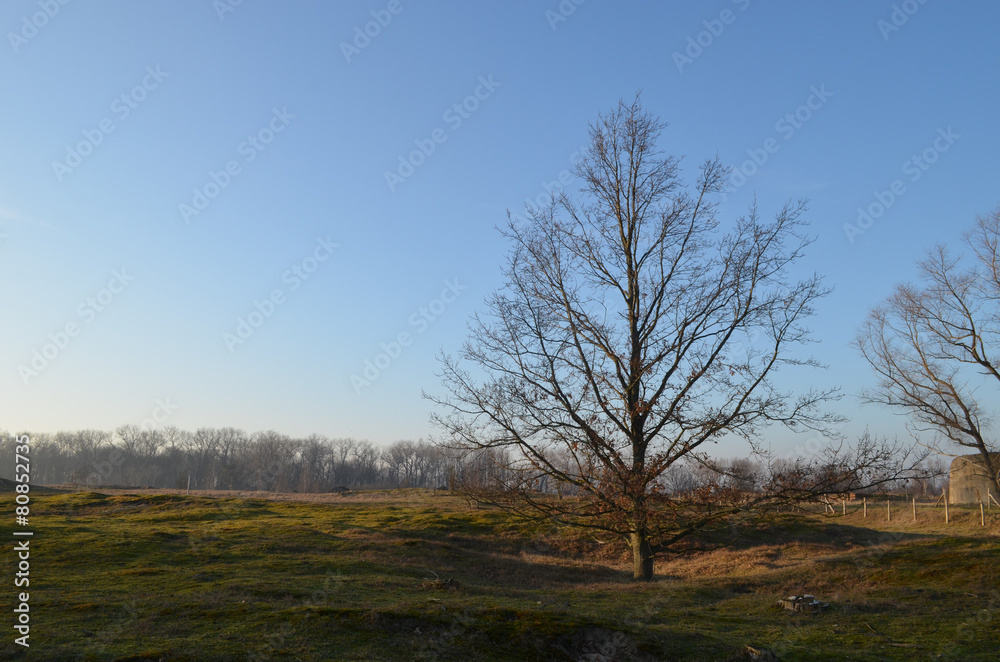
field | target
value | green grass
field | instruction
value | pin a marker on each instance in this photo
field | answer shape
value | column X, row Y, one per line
column 419, row 576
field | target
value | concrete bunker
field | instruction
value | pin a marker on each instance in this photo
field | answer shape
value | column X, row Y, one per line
column 969, row 481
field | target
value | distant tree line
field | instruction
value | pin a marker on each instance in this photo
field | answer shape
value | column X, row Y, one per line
column 228, row 459
column 488, row 473
column 233, row 459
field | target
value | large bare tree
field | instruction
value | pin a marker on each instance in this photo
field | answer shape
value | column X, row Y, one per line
column 633, row 329
column 932, row 345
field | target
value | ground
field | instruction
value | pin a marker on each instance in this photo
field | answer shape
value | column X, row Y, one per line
column 421, row 575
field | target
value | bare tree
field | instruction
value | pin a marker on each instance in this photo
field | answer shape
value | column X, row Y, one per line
column 269, row 456
column 933, row 344
column 82, row 448
column 933, row 479
column 679, row 479
column 366, row 460
column 174, row 437
column 339, row 472
column 316, row 457
column 398, row 460
column 140, row 447
column 231, row 451
column 202, row 447
column 743, row 474
column 622, row 340
column 130, row 438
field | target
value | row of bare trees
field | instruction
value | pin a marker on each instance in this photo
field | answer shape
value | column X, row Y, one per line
column 228, row 458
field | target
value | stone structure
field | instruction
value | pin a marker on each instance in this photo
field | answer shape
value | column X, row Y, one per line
column 806, row 602
column 968, row 480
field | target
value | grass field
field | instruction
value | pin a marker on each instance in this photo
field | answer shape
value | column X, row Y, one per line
column 414, row 575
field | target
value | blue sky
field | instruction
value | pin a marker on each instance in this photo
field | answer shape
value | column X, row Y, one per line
column 117, row 115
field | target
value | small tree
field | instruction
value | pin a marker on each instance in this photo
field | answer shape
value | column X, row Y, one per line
column 932, row 344
column 621, row 342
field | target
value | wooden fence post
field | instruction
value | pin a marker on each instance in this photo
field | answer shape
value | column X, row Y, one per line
column 844, row 503
column 982, row 514
column 864, row 504
column 914, row 509
column 888, row 511
column 946, row 506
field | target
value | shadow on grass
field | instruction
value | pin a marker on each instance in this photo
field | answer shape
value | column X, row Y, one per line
column 788, row 529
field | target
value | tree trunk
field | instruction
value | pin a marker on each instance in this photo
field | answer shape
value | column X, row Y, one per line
column 989, row 465
column 642, row 557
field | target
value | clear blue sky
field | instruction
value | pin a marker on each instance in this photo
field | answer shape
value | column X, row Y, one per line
column 184, row 85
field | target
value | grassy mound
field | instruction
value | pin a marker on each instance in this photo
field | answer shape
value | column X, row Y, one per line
column 7, row 486
column 418, row 576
